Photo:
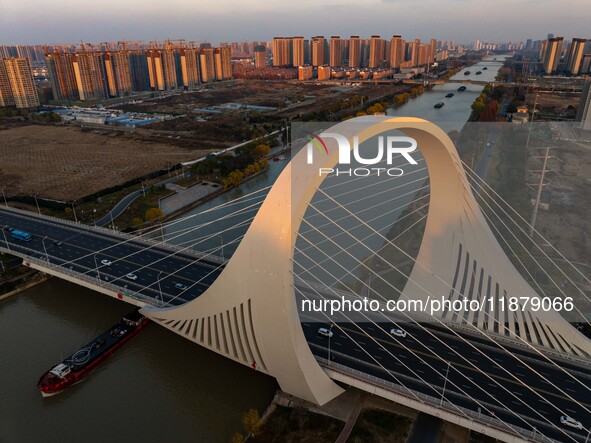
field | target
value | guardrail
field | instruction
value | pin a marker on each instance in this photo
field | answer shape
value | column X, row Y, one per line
column 153, row 301
column 435, row 402
column 146, row 241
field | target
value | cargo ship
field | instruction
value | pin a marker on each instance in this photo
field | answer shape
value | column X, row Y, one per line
column 74, row 368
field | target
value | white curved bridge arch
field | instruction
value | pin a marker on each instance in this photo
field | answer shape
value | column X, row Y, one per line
column 249, row 313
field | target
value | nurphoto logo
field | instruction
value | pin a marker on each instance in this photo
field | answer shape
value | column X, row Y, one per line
column 388, row 146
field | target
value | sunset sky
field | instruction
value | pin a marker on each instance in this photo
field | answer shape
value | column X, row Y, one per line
column 69, row 21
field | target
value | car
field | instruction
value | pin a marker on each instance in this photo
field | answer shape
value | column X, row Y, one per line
column 569, row 421
column 106, row 262
column 57, row 242
column 325, row 332
column 397, row 332
column 180, row 287
column 131, row 276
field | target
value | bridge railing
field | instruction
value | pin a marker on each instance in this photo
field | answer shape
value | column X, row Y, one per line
column 146, row 241
column 492, row 422
column 32, row 257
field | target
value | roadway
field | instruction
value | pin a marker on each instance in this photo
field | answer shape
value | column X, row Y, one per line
column 499, row 381
column 496, row 378
column 82, row 249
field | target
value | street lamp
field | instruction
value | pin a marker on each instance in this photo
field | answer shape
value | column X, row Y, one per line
column 329, row 334
column 444, row 384
column 37, row 203
column 160, row 288
column 4, row 195
column 74, row 210
column 222, row 245
column 98, row 274
column 45, row 249
column 5, row 239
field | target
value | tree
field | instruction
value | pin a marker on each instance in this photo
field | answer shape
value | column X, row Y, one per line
column 153, row 214
column 137, row 222
column 237, row 437
column 260, row 151
column 478, row 107
column 251, row 420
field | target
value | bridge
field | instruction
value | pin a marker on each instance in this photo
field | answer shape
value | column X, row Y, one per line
column 535, row 85
column 510, row 378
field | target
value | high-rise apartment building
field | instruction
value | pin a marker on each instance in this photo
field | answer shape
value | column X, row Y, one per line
column 354, row 52
column 317, row 46
column 584, row 109
column 189, row 63
column 60, row 68
column 223, row 63
column 414, row 48
column 298, row 51
column 552, row 53
column 91, row 76
column 207, row 64
column 282, row 47
column 575, row 55
column 336, row 51
column 118, row 73
column 376, row 51
column 138, row 70
column 260, row 57
column 396, row 51
column 162, row 69
column 17, row 86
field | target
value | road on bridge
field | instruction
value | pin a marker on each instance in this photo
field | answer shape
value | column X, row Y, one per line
column 83, row 249
column 520, row 381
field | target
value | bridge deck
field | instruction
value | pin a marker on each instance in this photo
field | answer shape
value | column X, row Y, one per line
column 158, row 267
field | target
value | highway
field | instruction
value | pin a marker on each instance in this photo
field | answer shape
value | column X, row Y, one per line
column 518, row 387
column 485, row 372
column 82, row 249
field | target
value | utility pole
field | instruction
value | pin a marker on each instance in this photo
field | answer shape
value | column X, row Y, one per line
column 74, row 211
column 37, row 203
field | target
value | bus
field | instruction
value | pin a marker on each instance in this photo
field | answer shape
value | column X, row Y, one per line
column 20, row 235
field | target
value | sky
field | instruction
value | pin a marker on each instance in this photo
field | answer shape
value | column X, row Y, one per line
column 69, row 21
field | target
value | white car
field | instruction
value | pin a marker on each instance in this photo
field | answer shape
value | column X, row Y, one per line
column 326, row 332
column 180, row 287
column 131, row 276
column 106, row 262
column 397, row 332
column 569, row 421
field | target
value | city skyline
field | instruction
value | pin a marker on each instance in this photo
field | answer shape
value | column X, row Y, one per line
column 229, row 20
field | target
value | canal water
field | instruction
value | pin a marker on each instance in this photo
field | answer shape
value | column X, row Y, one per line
column 159, row 387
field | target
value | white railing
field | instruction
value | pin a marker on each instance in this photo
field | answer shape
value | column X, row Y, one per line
column 73, row 226
column 446, row 406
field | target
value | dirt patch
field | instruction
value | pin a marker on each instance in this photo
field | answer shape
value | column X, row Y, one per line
column 65, row 163
column 298, row 425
